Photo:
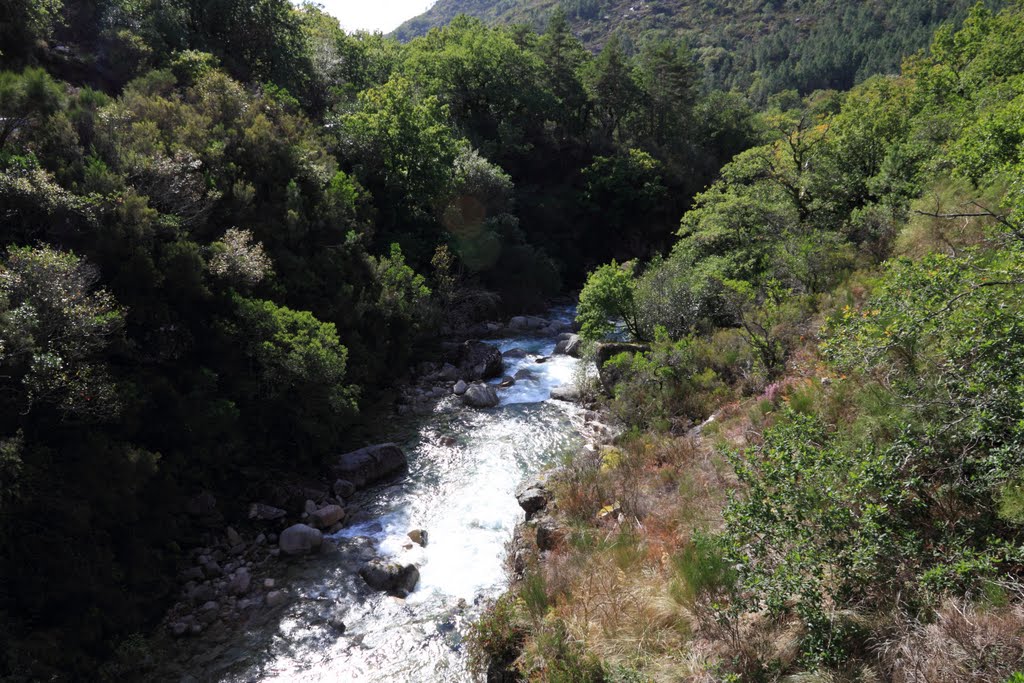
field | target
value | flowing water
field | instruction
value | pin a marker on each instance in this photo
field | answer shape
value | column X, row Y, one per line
column 464, row 466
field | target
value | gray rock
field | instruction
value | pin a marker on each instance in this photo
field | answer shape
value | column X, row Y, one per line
column 533, row 496
column 211, row 569
column 449, row 373
column 276, row 598
column 179, row 629
column 300, row 539
column 523, row 374
column 327, row 516
column 460, row 388
column 309, row 507
column 200, row 594
column 269, row 583
column 239, row 584
column 265, row 513
column 233, row 537
column 514, row 353
column 343, row 488
column 566, row 392
column 390, row 576
column 478, row 360
column 480, row 396
column 569, row 346
column 370, row 464
column 418, row 536
column 507, row 381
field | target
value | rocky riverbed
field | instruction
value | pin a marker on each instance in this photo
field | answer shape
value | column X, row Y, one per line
column 376, row 572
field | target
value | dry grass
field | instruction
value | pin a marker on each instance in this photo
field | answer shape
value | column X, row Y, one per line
column 963, row 644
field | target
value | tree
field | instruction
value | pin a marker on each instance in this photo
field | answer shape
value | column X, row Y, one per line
column 55, row 329
column 613, row 87
column 26, row 100
column 608, row 296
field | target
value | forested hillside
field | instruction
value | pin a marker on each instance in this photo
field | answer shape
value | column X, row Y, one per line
column 756, row 46
column 821, row 475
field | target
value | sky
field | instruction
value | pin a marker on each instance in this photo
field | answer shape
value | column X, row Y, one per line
column 374, row 15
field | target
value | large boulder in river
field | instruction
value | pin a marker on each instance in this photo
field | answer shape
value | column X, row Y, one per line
column 392, row 577
column 370, row 464
column 567, row 392
column 478, row 360
column 604, row 352
column 570, row 346
column 480, row 396
column 300, row 539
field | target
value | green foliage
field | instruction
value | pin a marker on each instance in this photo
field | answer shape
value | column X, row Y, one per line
column 55, row 327
column 702, row 571
column 498, row 635
column 817, row 523
column 606, row 298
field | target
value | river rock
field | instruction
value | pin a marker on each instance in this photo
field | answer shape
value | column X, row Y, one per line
column 200, row 594
column 507, row 381
column 300, row 539
column 390, row 576
column 514, row 353
column 569, row 346
column 276, row 598
column 566, row 392
column 370, row 464
column 480, row 396
column 448, row 372
column 233, row 537
column 327, row 516
column 604, row 352
column 343, row 488
column 478, row 360
column 460, row 388
column 533, row 496
column 239, row 584
column 522, row 323
column 523, row 374
column 265, row 513
column 418, row 536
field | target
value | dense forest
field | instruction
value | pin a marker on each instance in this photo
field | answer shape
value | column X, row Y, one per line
column 229, row 227
column 758, row 47
column 821, row 477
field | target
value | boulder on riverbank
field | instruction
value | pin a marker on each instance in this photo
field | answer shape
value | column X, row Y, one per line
column 300, row 539
column 392, row 577
column 570, row 345
column 480, row 396
column 533, row 496
column 605, row 352
column 478, row 360
column 370, row 464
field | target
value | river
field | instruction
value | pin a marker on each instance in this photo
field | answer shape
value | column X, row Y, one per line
column 464, row 466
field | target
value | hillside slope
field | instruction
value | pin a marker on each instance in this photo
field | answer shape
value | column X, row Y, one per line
column 758, row 46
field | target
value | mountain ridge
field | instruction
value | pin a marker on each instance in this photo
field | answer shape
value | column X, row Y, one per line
column 760, row 47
